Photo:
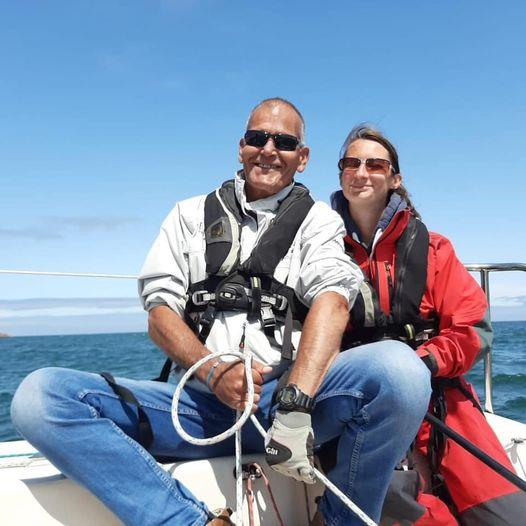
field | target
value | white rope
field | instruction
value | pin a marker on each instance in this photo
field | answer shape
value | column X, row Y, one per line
column 246, row 357
column 236, row 428
column 73, row 274
column 328, row 484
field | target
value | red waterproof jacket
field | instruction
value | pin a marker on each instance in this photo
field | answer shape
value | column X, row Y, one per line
column 481, row 496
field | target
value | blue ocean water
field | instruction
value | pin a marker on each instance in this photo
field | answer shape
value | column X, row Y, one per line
column 135, row 356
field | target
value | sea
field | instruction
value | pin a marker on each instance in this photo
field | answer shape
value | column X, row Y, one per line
column 133, row 355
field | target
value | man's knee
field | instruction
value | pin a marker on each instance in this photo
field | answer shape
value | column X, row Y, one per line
column 407, row 377
column 398, row 372
column 33, row 398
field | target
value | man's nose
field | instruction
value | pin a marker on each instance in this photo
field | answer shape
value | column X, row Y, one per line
column 269, row 147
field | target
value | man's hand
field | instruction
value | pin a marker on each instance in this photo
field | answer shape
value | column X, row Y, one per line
column 229, row 383
column 288, row 446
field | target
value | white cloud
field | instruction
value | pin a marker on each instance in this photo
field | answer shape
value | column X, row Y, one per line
column 509, row 301
column 54, row 227
column 66, row 307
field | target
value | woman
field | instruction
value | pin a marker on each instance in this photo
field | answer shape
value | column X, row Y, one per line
column 418, row 291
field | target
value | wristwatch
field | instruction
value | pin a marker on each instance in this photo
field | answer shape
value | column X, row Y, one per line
column 291, row 398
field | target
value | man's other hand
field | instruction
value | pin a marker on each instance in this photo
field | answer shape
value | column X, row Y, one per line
column 230, row 385
column 288, row 446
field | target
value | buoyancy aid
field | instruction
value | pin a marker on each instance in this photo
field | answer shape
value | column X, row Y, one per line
column 401, row 320
column 248, row 286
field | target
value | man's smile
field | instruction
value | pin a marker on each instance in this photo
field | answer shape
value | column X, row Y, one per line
column 265, row 166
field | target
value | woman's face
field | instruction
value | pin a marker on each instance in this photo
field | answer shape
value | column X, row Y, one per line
column 366, row 186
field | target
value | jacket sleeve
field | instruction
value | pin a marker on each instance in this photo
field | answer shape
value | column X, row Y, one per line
column 465, row 332
column 324, row 264
column 164, row 277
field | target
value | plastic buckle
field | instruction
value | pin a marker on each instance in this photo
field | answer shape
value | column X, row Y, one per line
column 202, row 297
column 281, row 302
column 231, row 296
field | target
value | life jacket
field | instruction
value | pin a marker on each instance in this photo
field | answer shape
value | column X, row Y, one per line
column 249, row 286
column 403, row 321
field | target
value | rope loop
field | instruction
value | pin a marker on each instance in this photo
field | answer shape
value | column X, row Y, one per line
column 246, row 357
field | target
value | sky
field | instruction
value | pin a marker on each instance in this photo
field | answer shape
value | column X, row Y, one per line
column 111, row 111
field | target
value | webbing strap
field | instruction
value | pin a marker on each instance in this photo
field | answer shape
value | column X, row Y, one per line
column 145, row 428
column 286, row 349
column 165, row 371
column 255, row 305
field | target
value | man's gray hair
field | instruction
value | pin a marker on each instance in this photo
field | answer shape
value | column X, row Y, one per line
column 278, row 101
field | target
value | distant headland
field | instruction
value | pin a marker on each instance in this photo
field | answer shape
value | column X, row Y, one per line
column 4, row 335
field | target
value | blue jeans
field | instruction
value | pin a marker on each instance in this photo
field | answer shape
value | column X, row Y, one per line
column 373, row 398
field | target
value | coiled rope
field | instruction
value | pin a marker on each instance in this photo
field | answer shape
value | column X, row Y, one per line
column 246, row 357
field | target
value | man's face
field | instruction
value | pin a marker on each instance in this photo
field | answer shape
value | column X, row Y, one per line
column 267, row 169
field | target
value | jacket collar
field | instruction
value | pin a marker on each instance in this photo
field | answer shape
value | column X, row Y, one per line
column 267, row 204
column 341, row 205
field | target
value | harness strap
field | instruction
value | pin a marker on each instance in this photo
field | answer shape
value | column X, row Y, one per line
column 286, row 350
column 165, row 371
column 145, row 428
column 254, row 313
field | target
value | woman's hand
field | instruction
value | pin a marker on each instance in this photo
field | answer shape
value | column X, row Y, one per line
column 229, row 383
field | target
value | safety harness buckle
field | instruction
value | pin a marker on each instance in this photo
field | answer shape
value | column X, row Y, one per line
column 202, row 297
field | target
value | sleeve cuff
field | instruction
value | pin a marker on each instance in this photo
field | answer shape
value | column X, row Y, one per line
column 430, row 362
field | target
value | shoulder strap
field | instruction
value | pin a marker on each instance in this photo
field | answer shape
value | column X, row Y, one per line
column 411, row 260
column 222, row 230
column 277, row 239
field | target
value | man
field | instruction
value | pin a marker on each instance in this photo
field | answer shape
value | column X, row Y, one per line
column 240, row 267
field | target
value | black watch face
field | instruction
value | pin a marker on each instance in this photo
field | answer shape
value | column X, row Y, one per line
column 288, row 395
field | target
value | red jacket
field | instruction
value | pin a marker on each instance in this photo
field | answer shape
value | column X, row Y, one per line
column 454, row 297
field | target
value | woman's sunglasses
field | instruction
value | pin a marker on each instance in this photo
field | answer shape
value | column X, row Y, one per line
column 282, row 141
column 373, row 166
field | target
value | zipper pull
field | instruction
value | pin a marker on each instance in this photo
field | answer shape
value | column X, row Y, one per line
column 242, row 341
column 389, row 277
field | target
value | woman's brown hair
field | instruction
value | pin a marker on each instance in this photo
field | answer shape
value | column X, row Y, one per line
column 369, row 133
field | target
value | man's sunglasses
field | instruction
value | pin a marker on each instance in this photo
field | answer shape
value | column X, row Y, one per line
column 373, row 166
column 282, row 141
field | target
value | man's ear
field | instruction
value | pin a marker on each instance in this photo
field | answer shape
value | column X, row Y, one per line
column 304, row 158
column 241, row 146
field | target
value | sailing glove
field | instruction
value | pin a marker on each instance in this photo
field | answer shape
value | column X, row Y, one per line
column 288, row 445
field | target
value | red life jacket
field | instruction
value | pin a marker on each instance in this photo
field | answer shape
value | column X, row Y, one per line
column 401, row 280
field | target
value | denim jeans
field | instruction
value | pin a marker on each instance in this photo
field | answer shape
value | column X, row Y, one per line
column 373, row 398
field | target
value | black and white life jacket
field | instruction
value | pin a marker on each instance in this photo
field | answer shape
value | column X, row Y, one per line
column 249, row 286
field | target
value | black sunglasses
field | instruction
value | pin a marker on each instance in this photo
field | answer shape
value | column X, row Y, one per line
column 282, row 141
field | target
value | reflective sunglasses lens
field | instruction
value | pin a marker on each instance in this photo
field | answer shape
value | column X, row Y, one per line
column 378, row 166
column 349, row 163
column 287, row 143
column 256, row 138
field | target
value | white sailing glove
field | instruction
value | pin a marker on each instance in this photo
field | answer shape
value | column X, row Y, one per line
column 288, row 445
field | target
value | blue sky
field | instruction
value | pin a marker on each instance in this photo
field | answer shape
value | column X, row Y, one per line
column 110, row 111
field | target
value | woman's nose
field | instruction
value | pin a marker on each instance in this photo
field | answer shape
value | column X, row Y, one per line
column 361, row 172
